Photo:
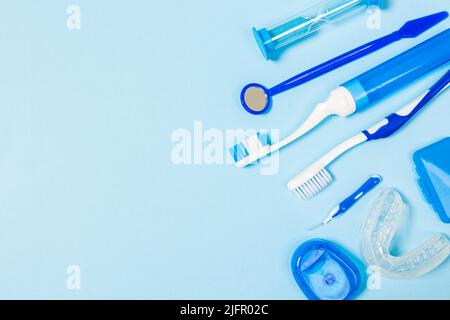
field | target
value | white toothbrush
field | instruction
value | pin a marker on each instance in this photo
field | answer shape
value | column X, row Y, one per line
column 316, row 177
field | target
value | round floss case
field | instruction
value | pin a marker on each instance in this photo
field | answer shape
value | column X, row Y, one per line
column 324, row 272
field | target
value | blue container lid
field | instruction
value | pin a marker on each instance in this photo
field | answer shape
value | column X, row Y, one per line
column 324, row 272
column 433, row 167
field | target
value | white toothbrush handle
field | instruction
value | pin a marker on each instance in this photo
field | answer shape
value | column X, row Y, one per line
column 323, row 162
column 313, row 121
column 340, row 103
column 342, row 148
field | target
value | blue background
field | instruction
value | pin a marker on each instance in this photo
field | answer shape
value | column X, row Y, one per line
column 86, row 172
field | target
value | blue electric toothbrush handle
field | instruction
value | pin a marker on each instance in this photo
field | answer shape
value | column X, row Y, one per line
column 335, row 63
column 394, row 122
column 411, row 29
column 368, row 186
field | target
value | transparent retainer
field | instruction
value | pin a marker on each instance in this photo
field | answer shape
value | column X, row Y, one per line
column 379, row 231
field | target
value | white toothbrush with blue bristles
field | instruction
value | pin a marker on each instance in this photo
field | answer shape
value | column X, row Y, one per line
column 316, row 177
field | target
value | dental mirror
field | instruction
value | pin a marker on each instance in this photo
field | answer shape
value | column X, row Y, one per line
column 255, row 99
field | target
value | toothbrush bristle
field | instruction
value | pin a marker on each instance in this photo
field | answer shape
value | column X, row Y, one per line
column 251, row 145
column 239, row 152
column 314, row 185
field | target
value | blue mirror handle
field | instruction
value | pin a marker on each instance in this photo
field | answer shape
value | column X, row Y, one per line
column 410, row 29
column 335, row 63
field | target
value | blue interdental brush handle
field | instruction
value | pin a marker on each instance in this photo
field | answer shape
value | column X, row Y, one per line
column 345, row 205
column 411, row 29
column 395, row 121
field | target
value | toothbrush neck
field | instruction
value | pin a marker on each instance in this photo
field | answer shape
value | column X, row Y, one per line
column 340, row 103
column 313, row 121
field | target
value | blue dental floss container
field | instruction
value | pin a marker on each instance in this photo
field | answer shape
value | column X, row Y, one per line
column 324, row 272
column 433, row 167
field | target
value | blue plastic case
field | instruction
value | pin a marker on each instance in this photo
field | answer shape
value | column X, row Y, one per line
column 433, row 167
column 324, row 272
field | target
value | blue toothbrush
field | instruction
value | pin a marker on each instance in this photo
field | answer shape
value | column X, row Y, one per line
column 316, row 177
column 256, row 98
column 345, row 205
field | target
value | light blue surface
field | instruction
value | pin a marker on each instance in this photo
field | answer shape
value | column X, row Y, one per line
column 86, row 171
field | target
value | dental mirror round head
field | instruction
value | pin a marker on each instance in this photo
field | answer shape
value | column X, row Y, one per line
column 255, row 98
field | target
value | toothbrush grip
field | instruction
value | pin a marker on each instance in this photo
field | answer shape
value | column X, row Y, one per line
column 368, row 186
column 395, row 121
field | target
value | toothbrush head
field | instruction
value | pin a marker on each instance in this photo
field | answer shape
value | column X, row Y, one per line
column 251, row 149
column 310, row 183
column 255, row 98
